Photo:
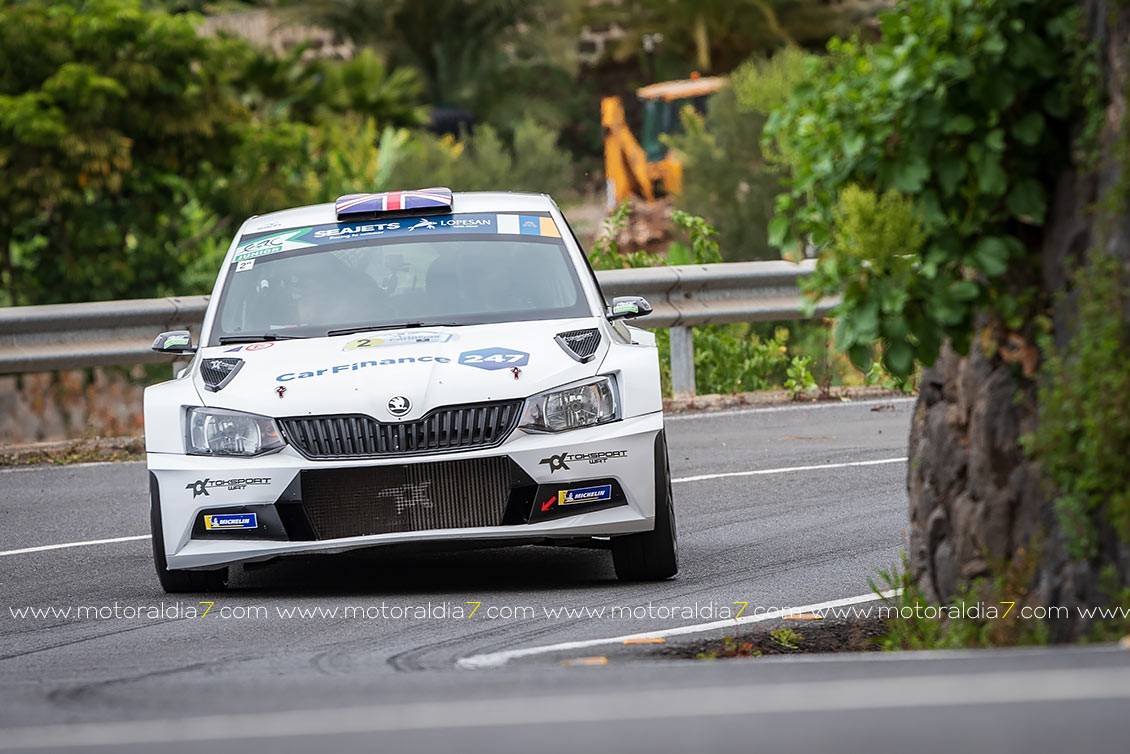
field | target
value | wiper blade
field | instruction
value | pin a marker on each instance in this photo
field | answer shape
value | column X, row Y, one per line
column 225, row 340
column 400, row 326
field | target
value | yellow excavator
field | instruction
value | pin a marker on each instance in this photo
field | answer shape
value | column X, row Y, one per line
column 649, row 169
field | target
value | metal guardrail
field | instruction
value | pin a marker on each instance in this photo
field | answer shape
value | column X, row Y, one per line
column 103, row 333
column 710, row 294
column 684, row 296
column 74, row 336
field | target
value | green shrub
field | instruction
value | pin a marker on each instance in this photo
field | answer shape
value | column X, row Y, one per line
column 799, row 380
column 606, row 254
column 132, row 146
column 872, row 259
column 725, row 178
column 731, row 358
column 734, row 359
column 763, row 85
column 962, row 108
column 984, row 613
column 1083, row 439
column 109, row 113
column 480, row 162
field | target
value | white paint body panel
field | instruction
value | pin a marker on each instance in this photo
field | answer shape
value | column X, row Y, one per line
column 429, row 375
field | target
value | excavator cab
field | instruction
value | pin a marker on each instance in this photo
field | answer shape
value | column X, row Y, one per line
column 648, row 169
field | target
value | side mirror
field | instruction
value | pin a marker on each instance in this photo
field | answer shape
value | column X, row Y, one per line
column 628, row 307
column 177, row 341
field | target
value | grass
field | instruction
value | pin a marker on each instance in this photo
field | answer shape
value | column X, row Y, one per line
column 87, row 450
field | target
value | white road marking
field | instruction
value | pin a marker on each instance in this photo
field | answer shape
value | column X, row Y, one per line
column 858, row 694
column 702, row 477
column 65, row 545
column 496, row 659
column 787, row 470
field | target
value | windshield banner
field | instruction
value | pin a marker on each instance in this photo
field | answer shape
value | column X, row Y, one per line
column 273, row 242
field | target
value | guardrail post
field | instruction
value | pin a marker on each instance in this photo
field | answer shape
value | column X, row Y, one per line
column 682, row 362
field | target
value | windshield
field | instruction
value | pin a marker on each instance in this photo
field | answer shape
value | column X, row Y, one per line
column 306, row 289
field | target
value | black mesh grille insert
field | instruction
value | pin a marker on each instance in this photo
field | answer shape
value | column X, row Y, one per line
column 580, row 344
column 217, row 373
column 384, row 499
column 482, row 425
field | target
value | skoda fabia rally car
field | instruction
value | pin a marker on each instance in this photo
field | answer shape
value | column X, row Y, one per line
column 408, row 367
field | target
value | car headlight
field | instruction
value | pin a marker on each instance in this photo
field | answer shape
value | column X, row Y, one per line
column 584, row 404
column 217, row 432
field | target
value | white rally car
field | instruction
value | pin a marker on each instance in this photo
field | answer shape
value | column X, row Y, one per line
column 408, row 367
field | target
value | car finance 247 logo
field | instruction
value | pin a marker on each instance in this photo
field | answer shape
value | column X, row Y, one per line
column 494, row 358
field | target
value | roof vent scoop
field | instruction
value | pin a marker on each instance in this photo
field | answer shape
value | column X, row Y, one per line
column 580, row 344
column 417, row 203
column 217, row 373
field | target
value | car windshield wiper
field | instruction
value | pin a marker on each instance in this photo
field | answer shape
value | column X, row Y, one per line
column 225, row 340
column 399, row 326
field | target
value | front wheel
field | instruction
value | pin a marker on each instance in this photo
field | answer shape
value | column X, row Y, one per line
column 177, row 581
column 652, row 555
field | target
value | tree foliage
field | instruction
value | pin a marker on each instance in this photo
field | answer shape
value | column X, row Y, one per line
column 1084, row 410
column 131, row 146
column 717, row 35
column 726, row 178
column 479, row 162
column 493, row 58
column 962, row 108
column 293, row 87
column 107, row 115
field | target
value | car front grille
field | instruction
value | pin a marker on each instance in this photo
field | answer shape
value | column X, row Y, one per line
column 412, row 497
column 481, row 425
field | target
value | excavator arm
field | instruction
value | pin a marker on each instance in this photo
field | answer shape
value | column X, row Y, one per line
column 625, row 161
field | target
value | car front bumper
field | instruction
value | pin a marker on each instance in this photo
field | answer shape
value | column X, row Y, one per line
column 594, row 482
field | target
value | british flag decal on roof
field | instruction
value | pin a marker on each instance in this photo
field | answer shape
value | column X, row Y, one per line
column 418, row 202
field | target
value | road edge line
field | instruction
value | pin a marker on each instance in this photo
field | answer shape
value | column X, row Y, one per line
column 498, row 659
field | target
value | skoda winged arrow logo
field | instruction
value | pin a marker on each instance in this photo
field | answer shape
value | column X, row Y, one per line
column 399, row 405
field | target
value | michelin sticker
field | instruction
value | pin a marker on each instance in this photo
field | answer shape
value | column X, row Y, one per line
column 219, row 521
column 494, row 358
column 597, row 494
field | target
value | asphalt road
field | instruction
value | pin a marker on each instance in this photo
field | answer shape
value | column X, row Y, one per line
column 259, row 674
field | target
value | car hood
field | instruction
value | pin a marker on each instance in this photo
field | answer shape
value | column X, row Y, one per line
column 430, row 367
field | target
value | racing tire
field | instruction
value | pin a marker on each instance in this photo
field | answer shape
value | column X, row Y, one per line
column 178, row 581
column 652, row 555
